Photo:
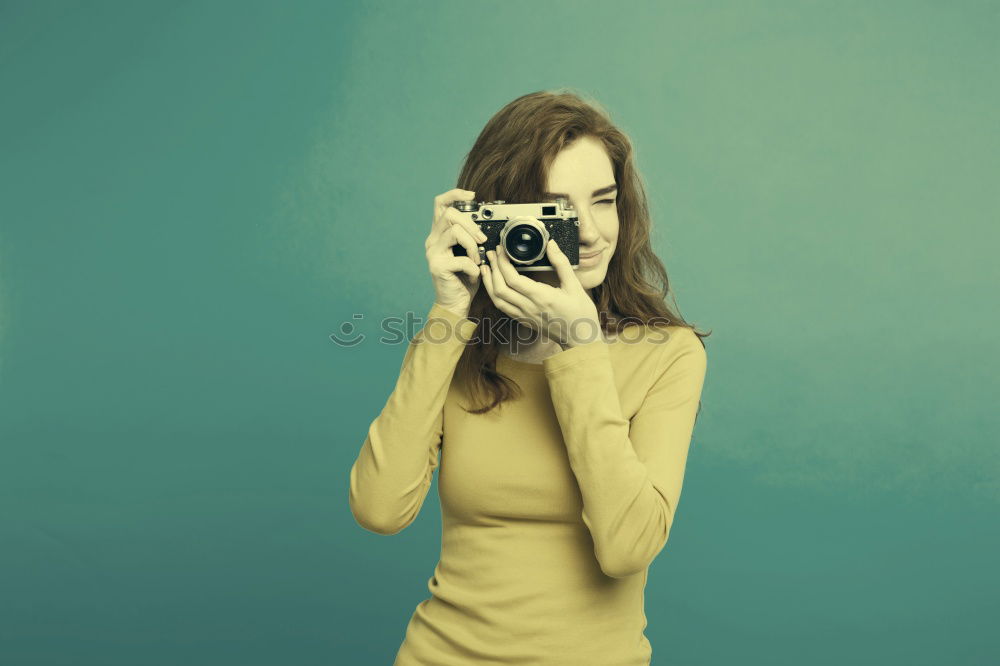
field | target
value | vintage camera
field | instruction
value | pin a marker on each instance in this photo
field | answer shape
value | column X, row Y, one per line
column 523, row 229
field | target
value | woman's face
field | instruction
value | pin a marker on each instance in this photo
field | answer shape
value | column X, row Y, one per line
column 583, row 173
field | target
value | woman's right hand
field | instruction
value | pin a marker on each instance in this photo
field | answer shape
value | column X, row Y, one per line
column 456, row 278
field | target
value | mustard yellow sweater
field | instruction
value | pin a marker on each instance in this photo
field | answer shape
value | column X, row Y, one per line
column 552, row 508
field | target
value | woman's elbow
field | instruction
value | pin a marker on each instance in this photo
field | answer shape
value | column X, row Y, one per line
column 372, row 515
column 621, row 563
column 379, row 522
column 621, row 567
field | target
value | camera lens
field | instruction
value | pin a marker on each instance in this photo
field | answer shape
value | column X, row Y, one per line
column 524, row 242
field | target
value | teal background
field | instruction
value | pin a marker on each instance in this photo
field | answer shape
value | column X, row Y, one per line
column 195, row 195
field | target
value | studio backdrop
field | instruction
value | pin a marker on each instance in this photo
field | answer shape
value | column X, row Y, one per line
column 196, row 198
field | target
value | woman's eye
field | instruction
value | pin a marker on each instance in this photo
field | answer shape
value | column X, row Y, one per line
column 608, row 201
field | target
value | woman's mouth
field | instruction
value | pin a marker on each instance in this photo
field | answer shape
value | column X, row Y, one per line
column 591, row 259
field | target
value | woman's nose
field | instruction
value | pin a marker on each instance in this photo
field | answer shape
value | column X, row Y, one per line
column 588, row 230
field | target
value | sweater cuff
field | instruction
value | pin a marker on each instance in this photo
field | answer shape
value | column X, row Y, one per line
column 589, row 351
column 444, row 326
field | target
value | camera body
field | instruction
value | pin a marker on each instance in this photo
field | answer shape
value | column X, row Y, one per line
column 523, row 229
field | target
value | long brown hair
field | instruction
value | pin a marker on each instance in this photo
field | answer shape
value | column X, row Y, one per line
column 510, row 161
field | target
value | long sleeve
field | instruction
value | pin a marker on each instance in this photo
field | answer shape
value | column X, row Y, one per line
column 629, row 472
column 392, row 474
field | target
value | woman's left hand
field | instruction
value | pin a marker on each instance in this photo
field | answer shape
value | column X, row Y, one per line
column 565, row 314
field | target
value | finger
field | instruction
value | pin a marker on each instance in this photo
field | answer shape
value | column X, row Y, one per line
column 568, row 278
column 504, row 306
column 502, row 287
column 463, row 265
column 455, row 216
column 522, row 284
column 456, row 235
column 444, row 201
column 441, row 265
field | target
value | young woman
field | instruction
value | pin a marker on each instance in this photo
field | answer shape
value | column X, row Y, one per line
column 562, row 449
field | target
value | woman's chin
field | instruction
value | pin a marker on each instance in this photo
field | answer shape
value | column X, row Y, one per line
column 591, row 276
